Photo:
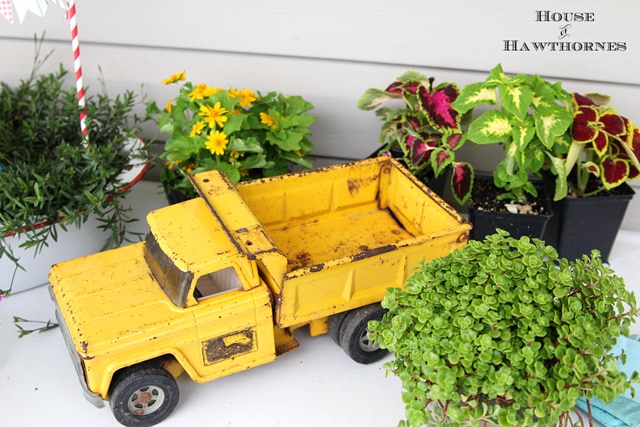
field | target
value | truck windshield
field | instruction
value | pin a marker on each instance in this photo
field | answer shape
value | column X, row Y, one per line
column 172, row 280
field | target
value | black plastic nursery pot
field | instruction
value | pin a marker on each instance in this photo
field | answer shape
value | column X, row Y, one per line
column 485, row 222
column 585, row 223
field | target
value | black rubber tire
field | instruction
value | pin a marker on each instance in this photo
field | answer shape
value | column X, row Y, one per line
column 146, row 388
column 334, row 324
column 354, row 333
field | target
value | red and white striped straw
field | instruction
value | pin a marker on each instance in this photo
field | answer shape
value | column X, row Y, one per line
column 75, row 44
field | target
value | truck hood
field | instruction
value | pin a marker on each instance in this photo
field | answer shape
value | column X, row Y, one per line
column 110, row 299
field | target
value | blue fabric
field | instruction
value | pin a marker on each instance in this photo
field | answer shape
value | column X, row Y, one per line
column 624, row 411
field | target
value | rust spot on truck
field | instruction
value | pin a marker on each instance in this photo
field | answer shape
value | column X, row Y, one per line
column 228, row 346
column 373, row 252
column 355, row 184
column 316, row 268
column 301, row 260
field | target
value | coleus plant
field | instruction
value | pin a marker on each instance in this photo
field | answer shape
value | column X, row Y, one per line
column 604, row 145
column 531, row 119
column 424, row 129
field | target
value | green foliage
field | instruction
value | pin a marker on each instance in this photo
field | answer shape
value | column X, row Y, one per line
column 507, row 332
column 47, row 174
column 245, row 135
column 531, row 118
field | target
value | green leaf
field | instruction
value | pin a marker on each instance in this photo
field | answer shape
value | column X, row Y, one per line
column 285, row 140
column 491, row 127
column 233, row 123
column 182, row 148
column 298, row 121
column 250, row 145
column 473, row 95
column 298, row 105
column 551, row 121
column 516, row 99
column 373, row 97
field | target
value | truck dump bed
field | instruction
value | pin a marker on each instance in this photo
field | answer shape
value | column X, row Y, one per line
column 349, row 232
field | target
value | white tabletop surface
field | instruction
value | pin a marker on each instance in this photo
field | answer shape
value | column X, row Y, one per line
column 315, row 385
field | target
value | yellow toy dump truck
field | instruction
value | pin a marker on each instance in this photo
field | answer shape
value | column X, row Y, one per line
column 222, row 281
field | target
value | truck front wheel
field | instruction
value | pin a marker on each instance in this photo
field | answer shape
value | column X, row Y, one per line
column 354, row 334
column 143, row 396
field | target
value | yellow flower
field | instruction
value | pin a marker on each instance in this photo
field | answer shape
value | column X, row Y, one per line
column 217, row 142
column 170, row 165
column 180, row 75
column 169, row 105
column 202, row 91
column 244, row 172
column 189, row 168
column 213, row 115
column 247, row 96
column 268, row 120
column 234, row 154
column 197, row 128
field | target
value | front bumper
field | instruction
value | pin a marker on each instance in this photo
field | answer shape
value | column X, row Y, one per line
column 92, row 397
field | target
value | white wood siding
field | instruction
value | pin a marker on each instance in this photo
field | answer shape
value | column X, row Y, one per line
column 330, row 51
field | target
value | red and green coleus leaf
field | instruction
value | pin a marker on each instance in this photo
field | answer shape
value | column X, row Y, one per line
column 462, row 177
column 409, row 82
column 437, row 106
column 454, row 141
column 421, row 149
column 614, row 171
column 372, row 98
column 589, row 125
column 632, row 148
column 591, row 99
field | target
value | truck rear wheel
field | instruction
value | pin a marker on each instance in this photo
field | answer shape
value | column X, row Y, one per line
column 354, row 334
column 143, row 396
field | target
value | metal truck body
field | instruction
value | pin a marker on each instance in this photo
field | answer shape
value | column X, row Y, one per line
column 222, row 281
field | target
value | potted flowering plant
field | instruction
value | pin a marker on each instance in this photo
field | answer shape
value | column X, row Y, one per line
column 504, row 331
column 423, row 131
column 244, row 134
column 62, row 194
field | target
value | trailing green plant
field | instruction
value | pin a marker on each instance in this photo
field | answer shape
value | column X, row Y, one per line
column 504, row 331
column 50, row 177
column 241, row 133
column 531, row 118
column 424, row 130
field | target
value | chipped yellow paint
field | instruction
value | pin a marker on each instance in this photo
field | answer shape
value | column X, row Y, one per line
column 226, row 277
